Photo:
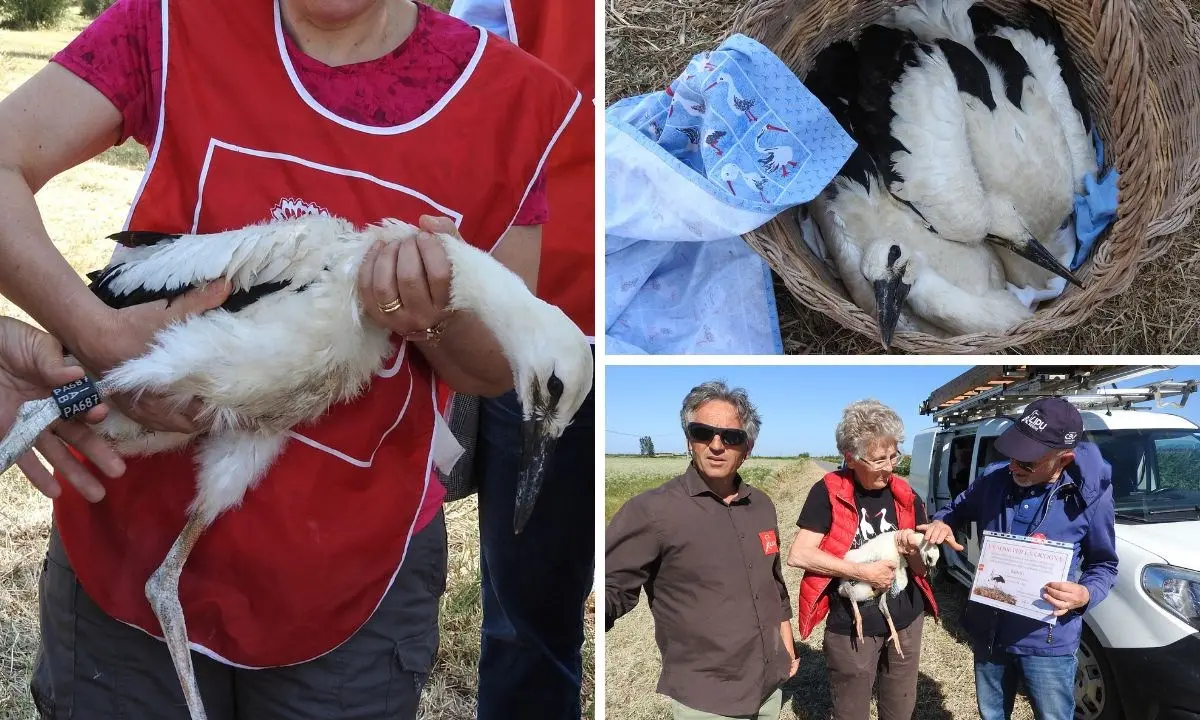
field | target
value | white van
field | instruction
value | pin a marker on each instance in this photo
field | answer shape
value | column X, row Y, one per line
column 1140, row 653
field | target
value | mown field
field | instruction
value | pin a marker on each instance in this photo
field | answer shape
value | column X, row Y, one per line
column 946, row 684
column 627, row 475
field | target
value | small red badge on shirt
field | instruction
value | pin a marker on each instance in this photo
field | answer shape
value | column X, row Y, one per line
column 1038, row 537
column 770, row 543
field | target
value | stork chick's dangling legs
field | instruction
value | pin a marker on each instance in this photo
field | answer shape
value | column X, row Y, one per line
column 230, row 466
column 857, row 619
column 162, row 590
column 887, row 615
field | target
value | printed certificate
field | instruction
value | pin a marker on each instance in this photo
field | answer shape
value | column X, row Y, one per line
column 1013, row 569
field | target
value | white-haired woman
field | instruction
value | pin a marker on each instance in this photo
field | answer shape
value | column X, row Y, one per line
column 845, row 510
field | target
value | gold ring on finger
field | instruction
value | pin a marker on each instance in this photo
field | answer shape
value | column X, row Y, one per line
column 391, row 307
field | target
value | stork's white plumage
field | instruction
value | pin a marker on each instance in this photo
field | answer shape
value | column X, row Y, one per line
column 930, row 110
column 882, row 547
column 291, row 341
column 886, row 255
column 913, row 127
column 1017, row 142
column 1041, row 42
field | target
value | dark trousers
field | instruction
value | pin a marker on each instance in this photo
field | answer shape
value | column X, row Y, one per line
column 853, row 667
column 93, row 667
column 535, row 584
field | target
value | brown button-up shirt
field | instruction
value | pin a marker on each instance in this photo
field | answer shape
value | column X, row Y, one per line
column 714, row 583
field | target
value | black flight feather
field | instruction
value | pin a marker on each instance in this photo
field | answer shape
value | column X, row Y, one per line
column 141, row 238
column 1011, row 64
column 834, row 81
column 885, row 54
column 101, row 280
column 984, row 20
column 970, row 74
column 1043, row 25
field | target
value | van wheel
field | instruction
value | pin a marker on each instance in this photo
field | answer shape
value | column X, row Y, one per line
column 1095, row 687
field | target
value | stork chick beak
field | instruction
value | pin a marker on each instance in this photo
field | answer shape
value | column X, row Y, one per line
column 1035, row 252
column 890, row 295
column 537, row 451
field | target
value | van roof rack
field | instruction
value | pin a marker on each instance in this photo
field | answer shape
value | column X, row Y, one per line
column 987, row 391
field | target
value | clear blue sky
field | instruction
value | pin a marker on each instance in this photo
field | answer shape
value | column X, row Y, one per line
column 800, row 405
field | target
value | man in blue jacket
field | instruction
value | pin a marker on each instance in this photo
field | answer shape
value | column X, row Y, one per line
column 1054, row 487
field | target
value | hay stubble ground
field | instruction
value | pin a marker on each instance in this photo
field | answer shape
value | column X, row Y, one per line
column 81, row 207
column 946, row 683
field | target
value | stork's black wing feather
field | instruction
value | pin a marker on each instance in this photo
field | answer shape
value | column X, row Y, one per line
column 833, row 80
column 101, row 284
column 984, row 20
column 1012, row 65
column 141, row 238
column 1043, row 25
column 970, row 73
column 884, row 55
column 102, row 280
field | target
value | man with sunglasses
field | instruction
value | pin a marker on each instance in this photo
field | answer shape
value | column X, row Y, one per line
column 705, row 545
column 1054, row 487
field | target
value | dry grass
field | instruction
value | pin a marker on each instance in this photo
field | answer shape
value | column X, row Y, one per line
column 626, row 476
column 945, row 686
column 79, row 207
column 650, row 41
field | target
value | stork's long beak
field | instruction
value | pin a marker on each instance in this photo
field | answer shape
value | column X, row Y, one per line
column 1035, row 252
column 537, row 450
column 889, row 298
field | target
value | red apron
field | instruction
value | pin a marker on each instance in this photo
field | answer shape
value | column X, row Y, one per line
column 304, row 561
column 551, row 31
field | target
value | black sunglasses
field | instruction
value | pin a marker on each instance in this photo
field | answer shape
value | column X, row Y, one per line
column 704, row 434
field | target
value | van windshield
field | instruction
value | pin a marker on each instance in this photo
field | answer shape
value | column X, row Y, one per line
column 1155, row 473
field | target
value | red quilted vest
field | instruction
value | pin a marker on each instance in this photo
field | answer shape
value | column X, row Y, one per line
column 813, row 603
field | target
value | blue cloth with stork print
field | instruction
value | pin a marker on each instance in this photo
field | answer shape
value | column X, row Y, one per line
column 732, row 142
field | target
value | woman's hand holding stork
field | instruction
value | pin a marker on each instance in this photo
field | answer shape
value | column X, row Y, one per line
column 31, row 365
column 880, row 574
column 126, row 333
column 405, row 287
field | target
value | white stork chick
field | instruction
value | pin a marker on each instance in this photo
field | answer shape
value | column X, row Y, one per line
column 1017, row 141
column 1041, row 42
column 928, row 148
column 291, row 341
column 882, row 547
column 885, row 254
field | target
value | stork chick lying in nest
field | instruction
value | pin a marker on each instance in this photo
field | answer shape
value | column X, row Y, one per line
column 291, row 341
column 883, row 547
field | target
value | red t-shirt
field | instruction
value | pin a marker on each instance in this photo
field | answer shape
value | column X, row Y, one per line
column 120, row 54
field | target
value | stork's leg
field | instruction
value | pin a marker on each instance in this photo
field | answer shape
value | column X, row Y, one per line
column 887, row 615
column 229, row 465
column 857, row 620
column 162, row 590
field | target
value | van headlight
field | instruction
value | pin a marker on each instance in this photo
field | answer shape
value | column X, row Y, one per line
column 1176, row 589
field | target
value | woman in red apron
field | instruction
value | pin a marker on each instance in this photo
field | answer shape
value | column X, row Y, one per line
column 325, row 582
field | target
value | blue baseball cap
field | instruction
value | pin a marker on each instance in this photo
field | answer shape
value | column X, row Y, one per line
column 1046, row 424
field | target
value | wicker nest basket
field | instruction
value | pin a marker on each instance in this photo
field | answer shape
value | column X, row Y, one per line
column 1140, row 63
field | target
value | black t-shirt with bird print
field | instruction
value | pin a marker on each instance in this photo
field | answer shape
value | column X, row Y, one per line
column 876, row 514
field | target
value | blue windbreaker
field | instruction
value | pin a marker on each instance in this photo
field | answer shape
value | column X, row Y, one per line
column 1080, row 511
